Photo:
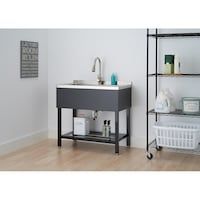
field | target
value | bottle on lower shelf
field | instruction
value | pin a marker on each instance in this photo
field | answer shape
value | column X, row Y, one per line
column 108, row 129
column 104, row 127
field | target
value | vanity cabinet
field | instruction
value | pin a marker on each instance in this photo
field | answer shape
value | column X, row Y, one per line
column 95, row 99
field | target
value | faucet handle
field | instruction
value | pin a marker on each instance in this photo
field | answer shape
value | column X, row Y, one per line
column 100, row 80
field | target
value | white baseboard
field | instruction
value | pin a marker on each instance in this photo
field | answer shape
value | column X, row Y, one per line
column 52, row 134
column 137, row 142
column 20, row 142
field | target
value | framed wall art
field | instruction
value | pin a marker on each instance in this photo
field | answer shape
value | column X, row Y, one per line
column 28, row 59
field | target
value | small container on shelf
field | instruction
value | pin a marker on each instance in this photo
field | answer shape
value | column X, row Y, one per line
column 81, row 126
column 169, row 64
column 191, row 105
column 177, row 65
column 165, row 102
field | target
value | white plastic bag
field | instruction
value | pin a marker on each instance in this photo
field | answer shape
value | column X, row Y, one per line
column 165, row 102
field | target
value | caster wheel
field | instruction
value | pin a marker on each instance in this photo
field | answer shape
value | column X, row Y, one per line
column 158, row 148
column 149, row 155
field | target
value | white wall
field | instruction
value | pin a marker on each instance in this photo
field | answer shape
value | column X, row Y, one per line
column 70, row 56
column 23, row 101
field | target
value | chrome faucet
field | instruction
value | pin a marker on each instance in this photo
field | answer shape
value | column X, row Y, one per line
column 99, row 76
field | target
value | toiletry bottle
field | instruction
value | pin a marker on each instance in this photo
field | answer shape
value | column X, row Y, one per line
column 108, row 129
column 176, row 65
column 113, row 79
column 116, row 78
column 169, row 64
column 104, row 128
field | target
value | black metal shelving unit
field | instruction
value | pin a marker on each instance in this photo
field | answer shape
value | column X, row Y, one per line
column 157, row 75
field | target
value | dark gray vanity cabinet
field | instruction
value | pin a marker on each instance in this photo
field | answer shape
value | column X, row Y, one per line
column 95, row 99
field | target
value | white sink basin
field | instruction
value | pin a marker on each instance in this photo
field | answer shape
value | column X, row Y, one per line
column 83, row 84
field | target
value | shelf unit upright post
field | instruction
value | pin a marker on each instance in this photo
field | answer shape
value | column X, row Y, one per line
column 149, row 155
column 157, row 35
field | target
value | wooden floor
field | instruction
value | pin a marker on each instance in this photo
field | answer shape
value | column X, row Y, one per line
column 84, row 156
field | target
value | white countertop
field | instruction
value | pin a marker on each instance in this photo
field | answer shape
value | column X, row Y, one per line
column 83, row 84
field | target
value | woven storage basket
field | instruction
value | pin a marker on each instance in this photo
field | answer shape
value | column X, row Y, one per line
column 177, row 135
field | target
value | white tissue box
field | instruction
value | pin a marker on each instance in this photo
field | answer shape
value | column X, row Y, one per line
column 81, row 126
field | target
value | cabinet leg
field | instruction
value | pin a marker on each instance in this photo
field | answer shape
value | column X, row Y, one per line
column 59, row 127
column 74, row 113
column 128, row 141
column 117, row 132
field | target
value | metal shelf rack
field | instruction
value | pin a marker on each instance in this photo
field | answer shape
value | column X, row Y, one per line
column 157, row 75
column 174, row 75
column 168, row 35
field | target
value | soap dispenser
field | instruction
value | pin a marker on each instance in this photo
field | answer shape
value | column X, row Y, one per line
column 113, row 79
column 104, row 127
column 108, row 129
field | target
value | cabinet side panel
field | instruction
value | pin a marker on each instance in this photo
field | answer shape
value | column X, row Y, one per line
column 125, row 98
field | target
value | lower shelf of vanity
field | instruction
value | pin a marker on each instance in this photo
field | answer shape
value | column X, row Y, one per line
column 94, row 137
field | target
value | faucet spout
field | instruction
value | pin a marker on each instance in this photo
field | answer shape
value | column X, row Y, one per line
column 99, row 76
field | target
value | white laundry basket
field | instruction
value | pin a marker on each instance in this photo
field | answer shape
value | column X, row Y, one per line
column 177, row 135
